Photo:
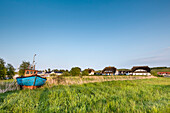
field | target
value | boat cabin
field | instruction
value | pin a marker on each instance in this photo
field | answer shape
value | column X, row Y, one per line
column 29, row 72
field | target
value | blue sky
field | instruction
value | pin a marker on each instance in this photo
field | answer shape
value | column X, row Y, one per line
column 85, row 33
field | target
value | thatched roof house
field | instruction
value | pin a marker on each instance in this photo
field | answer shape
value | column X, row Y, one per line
column 90, row 71
column 141, row 70
column 109, row 71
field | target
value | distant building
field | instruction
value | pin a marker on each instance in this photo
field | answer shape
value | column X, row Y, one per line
column 124, row 72
column 90, row 71
column 57, row 73
column 15, row 76
column 141, row 70
column 164, row 73
column 109, row 71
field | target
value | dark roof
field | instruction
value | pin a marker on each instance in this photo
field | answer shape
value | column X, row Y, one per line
column 109, row 69
column 141, row 67
column 58, row 72
column 89, row 70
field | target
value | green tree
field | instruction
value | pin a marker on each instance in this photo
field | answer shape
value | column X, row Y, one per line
column 75, row 71
column 10, row 70
column 85, row 73
column 23, row 66
column 49, row 70
column 2, row 68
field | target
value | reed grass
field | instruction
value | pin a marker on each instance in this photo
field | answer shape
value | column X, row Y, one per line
column 8, row 85
column 60, row 80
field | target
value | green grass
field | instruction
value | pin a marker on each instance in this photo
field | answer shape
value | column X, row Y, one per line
column 149, row 95
column 161, row 70
column 9, row 80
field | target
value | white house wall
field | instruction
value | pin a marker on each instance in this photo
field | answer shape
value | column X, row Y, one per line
column 141, row 74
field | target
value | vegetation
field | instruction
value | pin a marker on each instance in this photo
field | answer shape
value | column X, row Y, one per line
column 70, row 80
column 8, row 70
column 75, row 71
column 148, row 95
column 23, row 66
column 60, row 70
column 85, row 72
column 2, row 69
column 161, row 70
column 66, row 74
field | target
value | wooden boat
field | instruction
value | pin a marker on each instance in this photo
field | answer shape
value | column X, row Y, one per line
column 31, row 80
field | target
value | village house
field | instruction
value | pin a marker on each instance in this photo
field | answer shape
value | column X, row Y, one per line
column 124, row 72
column 57, row 73
column 141, row 70
column 90, row 71
column 164, row 73
column 109, row 71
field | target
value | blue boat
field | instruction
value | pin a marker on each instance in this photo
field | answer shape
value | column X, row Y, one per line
column 31, row 80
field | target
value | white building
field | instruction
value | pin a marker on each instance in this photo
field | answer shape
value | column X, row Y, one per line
column 141, row 70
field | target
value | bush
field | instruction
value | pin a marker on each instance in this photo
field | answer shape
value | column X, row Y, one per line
column 155, row 74
column 85, row 73
column 66, row 74
column 53, row 74
column 75, row 71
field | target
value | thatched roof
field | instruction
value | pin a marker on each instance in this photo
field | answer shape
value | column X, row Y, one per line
column 109, row 69
column 89, row 70
column 141, row 67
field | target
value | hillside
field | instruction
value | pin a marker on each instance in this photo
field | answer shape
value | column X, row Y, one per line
column 160, row 70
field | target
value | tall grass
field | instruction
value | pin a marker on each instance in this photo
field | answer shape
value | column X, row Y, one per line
column 62, row 80
column 8, row 85
column 148, row 95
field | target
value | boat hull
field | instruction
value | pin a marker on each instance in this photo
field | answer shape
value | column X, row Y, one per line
column 31, row 82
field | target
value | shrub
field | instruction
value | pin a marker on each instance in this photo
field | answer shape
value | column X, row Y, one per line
column 66, row 74
column 85, row 73
column 53, row 74
column 75, row 71
column 154, row 73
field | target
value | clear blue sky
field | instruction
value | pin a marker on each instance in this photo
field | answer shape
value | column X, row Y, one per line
column 85, row 33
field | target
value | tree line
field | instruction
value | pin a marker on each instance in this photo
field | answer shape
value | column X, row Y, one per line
column 8, row 70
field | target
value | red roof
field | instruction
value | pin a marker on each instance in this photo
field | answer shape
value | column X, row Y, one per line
column 163, row 72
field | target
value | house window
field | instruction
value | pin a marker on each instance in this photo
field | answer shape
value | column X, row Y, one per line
column 34, row 72
column 31, row 72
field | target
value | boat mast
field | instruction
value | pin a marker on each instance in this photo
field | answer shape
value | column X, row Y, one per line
column 33, row 63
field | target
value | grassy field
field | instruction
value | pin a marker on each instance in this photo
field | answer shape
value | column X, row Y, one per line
column 161, row 70
column 147, row 95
